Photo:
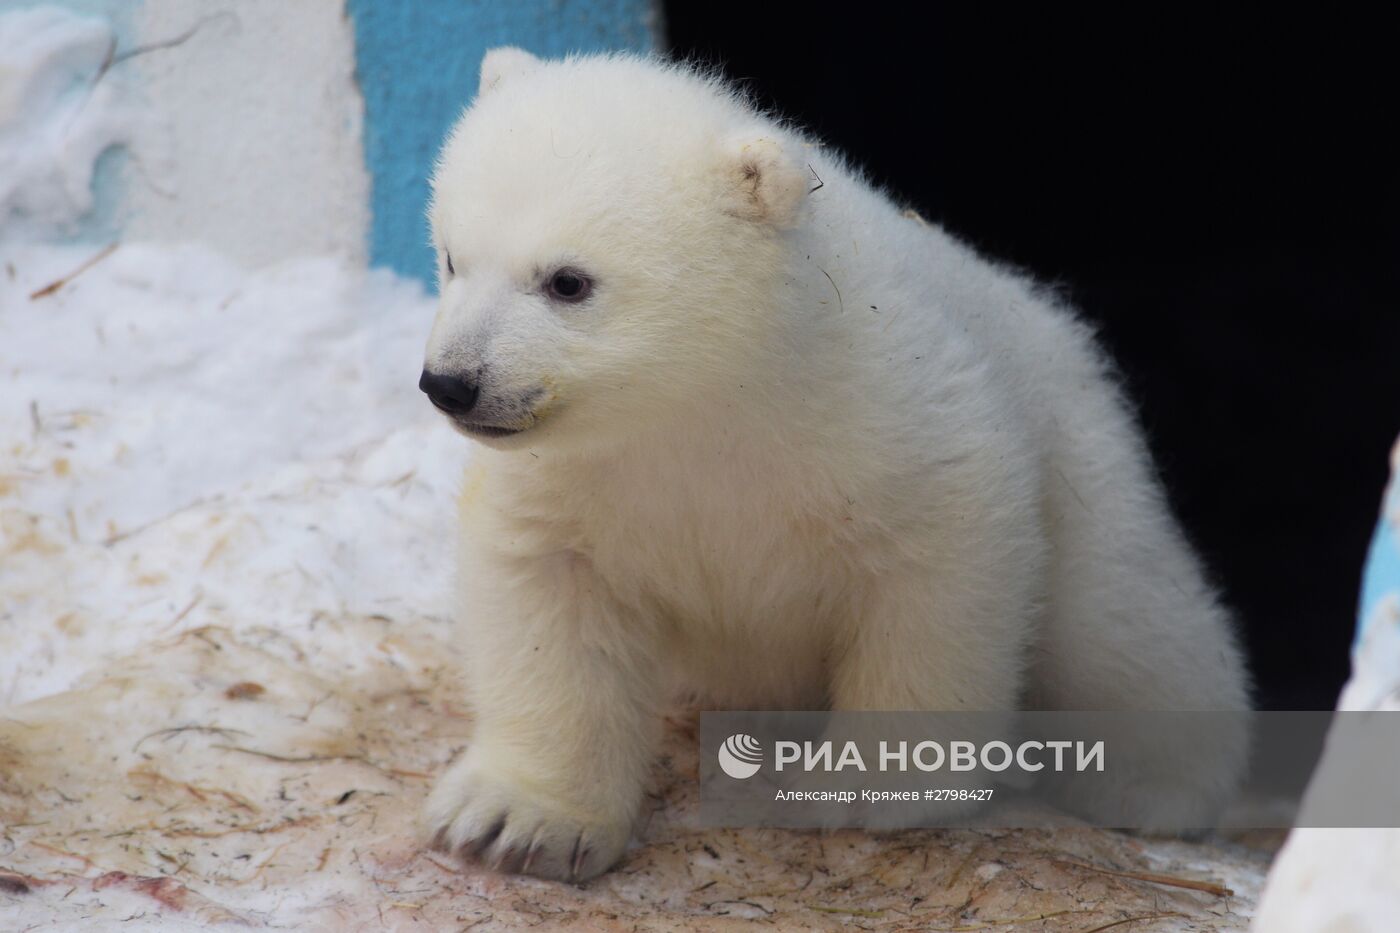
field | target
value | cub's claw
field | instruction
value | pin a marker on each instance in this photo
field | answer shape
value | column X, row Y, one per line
column 492, row 821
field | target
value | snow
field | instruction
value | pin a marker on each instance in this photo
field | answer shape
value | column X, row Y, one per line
column 225, row 510
column 56, row 117
column 187, row 439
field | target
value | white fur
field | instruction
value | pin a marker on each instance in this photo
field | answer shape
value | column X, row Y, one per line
column 798, row 450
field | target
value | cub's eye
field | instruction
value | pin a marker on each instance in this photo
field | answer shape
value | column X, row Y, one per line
column 450, row 270
column 569, row 285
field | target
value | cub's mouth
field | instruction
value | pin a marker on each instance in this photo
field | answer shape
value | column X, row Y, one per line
column 481, row 430
column 474, row 428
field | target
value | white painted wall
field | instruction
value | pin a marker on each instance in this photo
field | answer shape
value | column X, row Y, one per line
column 254, row 143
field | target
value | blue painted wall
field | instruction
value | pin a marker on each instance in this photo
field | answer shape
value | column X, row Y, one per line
column 1382, row 574
column 417, row 68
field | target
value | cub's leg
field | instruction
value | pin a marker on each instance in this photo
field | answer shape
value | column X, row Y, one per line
column 1133, row 625
column 932, row 639
column 566, row 723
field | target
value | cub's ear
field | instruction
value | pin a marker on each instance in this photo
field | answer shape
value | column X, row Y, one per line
column 765, row 184
column 503, row 63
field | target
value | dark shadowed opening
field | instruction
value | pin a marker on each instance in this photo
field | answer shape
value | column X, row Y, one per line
column 1217, row 194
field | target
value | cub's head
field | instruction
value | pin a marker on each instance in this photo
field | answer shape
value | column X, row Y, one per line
column 609, row 234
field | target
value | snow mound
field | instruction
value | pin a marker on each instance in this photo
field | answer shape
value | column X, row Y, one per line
column 59, row 113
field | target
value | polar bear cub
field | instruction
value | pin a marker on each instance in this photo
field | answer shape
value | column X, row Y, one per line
column 750, row 432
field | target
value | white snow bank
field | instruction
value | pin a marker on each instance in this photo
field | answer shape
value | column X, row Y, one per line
column 187, row 444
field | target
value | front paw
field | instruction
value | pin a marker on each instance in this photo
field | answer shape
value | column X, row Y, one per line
column 494, row 815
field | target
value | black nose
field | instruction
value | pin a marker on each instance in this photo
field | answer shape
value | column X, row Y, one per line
column 452, row 394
